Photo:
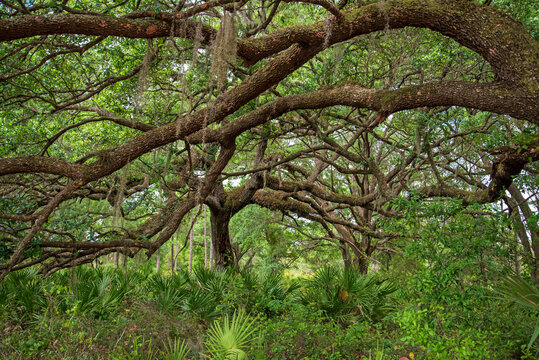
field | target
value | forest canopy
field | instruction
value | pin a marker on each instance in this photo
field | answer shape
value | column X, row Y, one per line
column 120, row 119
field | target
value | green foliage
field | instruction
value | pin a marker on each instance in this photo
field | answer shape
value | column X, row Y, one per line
column 449, row 250
column 321, row 324
column 437, row 338
column 267, row 293
column 198, row 295
column 230, row 340
column 451, row 256
column 344, row 293
column 167, row 291
column 215, row 282
column 520, row 291
column 138, row 351
column 303, row 333
column 201, row 304
column 176, row 350
column 98, row 292
column 21, row 296
column 524, row 294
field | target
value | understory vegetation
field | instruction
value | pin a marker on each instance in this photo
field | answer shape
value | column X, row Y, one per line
column 451, row 293
column 108, row 312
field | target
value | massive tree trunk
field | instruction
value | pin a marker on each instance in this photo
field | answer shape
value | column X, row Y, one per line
column 220, row 237
column 362, row 262
column 224, row 205
column 345, row 253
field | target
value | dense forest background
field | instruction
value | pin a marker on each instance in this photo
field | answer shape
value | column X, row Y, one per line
column 297, row 179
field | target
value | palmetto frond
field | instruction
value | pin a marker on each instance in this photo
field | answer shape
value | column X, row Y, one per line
column 229, row 340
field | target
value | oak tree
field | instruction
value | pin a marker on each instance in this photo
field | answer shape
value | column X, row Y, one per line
column 119, row 119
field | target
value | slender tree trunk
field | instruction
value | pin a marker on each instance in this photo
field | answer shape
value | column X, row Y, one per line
column 73, row 276
column 175, row 267
column 529, row 237
column 191, row 243
column 176, row 253
column 358, row 261
column 361, row 260
column 205, row 238
column 249, row 261
column 211, row 263
column 172, row 258
column 517, row 260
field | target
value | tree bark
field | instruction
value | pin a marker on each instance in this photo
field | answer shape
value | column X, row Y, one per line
column 362, row 264
column 173, row 257
column 345, row 253
column 529, row 238
column 191, row 244
column 205, row 237
column 224, row 205
column 211, row 259
column 220, row 237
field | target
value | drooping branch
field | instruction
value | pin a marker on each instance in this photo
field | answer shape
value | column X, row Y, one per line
column 486, row 97
column 43, row 215
column 115, row 158
column 318, row 191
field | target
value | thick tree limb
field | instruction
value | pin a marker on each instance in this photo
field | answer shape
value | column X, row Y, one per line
column 499, row 39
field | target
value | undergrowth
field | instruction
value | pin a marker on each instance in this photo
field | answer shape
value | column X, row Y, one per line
column 106, row 313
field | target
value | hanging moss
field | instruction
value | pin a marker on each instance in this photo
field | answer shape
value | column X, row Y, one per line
column 223, row 49
column 143, row 74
